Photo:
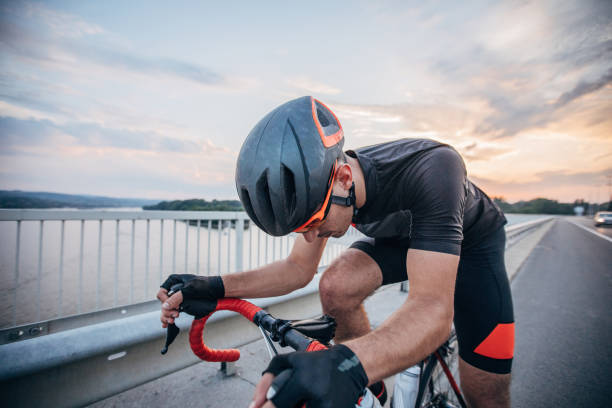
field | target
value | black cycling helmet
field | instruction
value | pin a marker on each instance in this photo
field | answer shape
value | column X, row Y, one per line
column 286, row 166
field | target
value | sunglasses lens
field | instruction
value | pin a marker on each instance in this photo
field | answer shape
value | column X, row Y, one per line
column 319, row 217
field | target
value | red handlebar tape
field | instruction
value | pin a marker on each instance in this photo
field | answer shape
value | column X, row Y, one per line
column 196, row 340
column 316, row 346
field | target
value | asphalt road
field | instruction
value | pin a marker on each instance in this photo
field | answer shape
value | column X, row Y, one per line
column 563, row 311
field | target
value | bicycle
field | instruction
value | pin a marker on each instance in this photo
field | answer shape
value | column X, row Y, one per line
column 315, row 334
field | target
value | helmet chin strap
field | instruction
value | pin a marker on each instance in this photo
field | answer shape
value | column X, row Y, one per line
column 346, row 201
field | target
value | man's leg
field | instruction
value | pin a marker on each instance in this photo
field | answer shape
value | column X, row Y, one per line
column 346, row 283
column 483, row 389
column 484, row 322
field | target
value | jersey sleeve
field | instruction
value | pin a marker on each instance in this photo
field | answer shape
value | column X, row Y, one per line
column 440, row 196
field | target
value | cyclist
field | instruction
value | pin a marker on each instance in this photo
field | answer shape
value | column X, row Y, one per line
column 423, row 220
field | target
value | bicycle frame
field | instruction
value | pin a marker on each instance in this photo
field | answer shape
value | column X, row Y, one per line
column 428, row 372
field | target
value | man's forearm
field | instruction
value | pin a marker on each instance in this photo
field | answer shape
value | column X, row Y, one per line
column 414, row 331
column 275, row 279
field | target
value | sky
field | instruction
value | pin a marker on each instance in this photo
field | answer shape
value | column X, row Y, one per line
column 152, row 99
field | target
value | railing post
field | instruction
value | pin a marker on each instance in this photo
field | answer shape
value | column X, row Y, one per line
column 81, row 255
column 16, row 281
column 116, row 284
column 146, row 285
column 239, row 243
column 228, row 369
column 99, row 271
column 161, row 251
column 61, row 271
column 132, row 248
column 40, row 262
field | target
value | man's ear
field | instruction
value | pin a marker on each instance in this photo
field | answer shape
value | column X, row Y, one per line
column 344, row 175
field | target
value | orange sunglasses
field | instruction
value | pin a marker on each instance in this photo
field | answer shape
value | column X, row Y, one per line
column 318, row 217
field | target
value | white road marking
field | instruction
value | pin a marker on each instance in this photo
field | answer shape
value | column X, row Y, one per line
column 600, row 235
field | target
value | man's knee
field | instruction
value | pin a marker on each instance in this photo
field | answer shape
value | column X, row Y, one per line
column 334, row 294
column 348, row 281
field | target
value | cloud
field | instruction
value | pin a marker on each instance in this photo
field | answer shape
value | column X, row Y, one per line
column 42, row 36
column 584, row 88
column 313, row 87
column 557, row 177
column 88, row 158
column 563, row 185
column 529, row 61
column 19, row 135
column 61, row 24
column 482, row 151
column 143, row 65
column 590, row 52
column 120, row 173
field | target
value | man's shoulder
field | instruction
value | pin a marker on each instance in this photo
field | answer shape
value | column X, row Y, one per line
column 400, row 145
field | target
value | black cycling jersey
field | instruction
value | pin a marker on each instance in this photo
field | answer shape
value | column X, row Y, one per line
column 417, row 191
column 418, row 196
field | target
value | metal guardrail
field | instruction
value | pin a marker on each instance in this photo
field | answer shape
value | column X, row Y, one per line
column 69, row 263
column 106, row 358
column 515, row 233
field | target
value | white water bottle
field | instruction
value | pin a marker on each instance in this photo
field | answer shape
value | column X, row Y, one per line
column 406, row 387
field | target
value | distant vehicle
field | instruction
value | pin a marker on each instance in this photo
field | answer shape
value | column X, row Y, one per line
column 603, row 218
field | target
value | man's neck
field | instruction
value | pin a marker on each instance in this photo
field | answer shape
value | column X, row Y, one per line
column 359, row 180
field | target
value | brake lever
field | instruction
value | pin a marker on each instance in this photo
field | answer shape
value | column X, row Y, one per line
column 173, row 329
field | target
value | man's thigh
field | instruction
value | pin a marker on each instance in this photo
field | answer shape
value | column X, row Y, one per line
column 484, row 318
column 389, row 256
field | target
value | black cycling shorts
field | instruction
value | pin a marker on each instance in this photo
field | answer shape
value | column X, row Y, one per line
column 484, row 317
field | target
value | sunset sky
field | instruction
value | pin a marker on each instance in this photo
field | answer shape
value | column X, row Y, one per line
column 153, row 99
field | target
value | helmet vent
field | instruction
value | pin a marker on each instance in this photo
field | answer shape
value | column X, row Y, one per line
column 248, row 207
column 289, row 190
column 264, row 210
column 326, row 119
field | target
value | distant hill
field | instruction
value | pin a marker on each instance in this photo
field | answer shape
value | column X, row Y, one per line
column 197, row 205
column 29, row 199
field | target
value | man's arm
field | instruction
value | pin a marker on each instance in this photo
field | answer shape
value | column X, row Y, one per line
column 420, row 325
column 280, row 277
column 275, row 279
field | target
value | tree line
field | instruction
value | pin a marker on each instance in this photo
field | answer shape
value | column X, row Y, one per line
column 546, row 206
column 196, row 205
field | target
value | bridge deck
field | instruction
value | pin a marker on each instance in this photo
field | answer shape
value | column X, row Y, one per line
column 564, row 327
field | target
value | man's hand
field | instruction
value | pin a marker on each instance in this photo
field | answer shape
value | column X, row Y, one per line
column 327, row 378
column 198, row 296
column 168, row 312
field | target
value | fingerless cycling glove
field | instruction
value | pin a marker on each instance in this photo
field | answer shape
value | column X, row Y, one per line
column 323, row 379
column 200, row 293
